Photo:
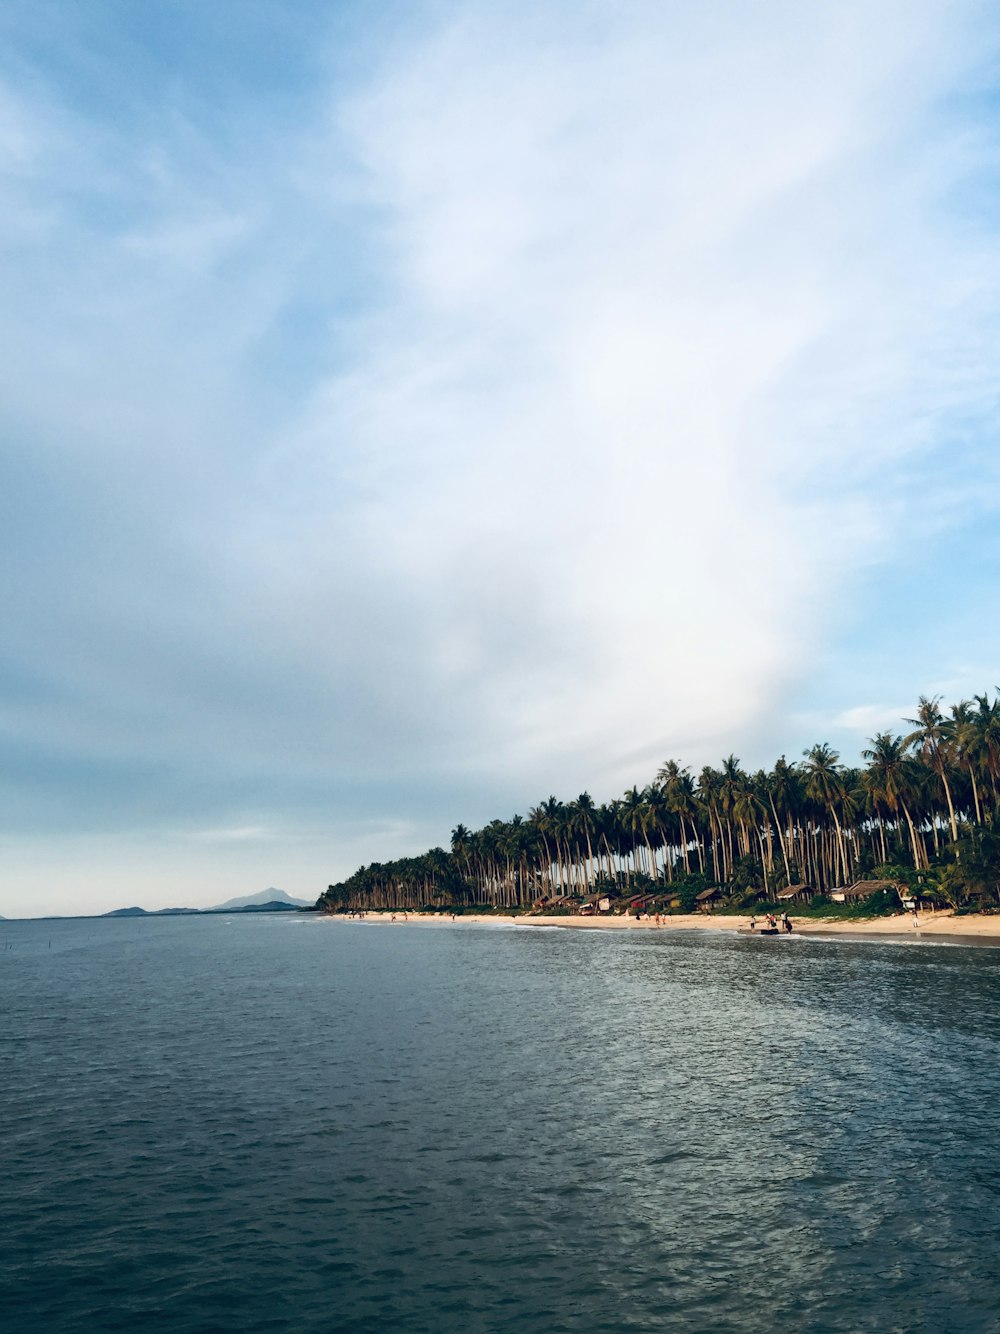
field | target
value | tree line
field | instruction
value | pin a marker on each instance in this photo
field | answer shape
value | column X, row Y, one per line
column 925, row 803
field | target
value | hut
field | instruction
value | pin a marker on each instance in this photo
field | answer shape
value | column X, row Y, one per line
column 796, row 894
column 636, row 903
column 862, row 889
column 707, row 897
column 596, row 902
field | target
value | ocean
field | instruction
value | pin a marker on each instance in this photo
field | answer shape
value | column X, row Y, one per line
column 289, row 1124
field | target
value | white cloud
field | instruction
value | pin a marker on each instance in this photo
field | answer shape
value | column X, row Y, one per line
column 672, row 302
column 529, row 414
column 871, row 718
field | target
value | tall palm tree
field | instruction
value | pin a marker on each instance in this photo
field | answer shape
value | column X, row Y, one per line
column 986, row 721
column 634, row 820
column 931, row 737
column 582, row 817
column 825, row 786
column 963, row 730
column 709, row 799
column 461, row 847
column 657, row 822
column 891, row 778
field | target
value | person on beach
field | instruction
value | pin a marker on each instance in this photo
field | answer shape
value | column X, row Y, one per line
column 786, row 922
column 753, row 922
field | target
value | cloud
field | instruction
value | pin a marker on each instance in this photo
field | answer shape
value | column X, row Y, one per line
column 530, row 405
column 872, row 718
column 672, row 307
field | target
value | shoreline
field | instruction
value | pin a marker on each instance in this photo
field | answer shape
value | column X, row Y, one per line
column 941, row 926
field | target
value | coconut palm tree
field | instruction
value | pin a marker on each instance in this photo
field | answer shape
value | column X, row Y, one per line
column 824, row 784
column 986, row 722
column 678, row 789
column 931, row 737
column 582, row 820
column 892, row 778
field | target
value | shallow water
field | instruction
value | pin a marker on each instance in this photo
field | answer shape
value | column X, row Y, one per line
column 257, row 1123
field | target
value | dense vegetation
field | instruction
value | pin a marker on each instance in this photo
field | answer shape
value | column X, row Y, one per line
column 923, row 810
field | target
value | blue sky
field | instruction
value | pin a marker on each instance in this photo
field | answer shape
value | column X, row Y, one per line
column 408, row 411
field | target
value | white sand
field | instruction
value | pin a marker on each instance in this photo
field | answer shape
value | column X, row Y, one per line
column 931, row 924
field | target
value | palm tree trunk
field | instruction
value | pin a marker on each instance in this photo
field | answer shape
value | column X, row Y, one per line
column 913, row 836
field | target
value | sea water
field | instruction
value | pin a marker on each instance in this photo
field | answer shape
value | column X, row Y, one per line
column 285, row 1123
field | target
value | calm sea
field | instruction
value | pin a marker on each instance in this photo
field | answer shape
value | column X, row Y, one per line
column 256, row 1123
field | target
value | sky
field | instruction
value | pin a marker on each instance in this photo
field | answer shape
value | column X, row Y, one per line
column 411, row 410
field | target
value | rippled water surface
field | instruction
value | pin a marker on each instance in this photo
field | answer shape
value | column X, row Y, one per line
column 249, row 1124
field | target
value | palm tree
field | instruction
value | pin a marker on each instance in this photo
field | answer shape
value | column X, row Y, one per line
column 656, row 820
column 678, row 789
column 986, row 722
column 709, row 799
column 545, row 818
column 582, row 818
column 785, row 793
column 931, row 737
column 825, row 786
column 461, row 846
column 891, row 778
column 634, row 822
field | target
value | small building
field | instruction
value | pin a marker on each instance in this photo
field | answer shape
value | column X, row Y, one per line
column 796, row 894
column 636, row 903
column 707, row 897
column 862, row 889
column 596, row 902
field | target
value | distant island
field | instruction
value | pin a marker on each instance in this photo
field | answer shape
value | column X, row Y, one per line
column 267, row 900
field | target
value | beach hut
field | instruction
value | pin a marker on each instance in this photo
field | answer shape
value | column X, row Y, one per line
column 636, row 903
column 861, row 889
column 596, row 902
column 707, row 897
column 796, row 894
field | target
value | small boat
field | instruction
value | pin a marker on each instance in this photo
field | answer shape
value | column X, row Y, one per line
column 764, row 931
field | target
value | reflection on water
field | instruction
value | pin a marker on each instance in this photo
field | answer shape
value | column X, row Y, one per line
column 259, row 1124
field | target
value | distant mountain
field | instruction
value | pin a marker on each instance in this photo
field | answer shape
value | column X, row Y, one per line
column 144, row 912
column 265, row 899
column 268, row 900
column 258, row 907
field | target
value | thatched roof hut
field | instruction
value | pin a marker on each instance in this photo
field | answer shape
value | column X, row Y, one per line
column 862, row 889
column 796, row 894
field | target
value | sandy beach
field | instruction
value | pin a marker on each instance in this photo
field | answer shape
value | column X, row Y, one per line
column 942, row 925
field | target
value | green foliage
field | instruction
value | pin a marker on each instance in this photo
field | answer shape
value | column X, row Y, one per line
column 923, row 813
column 748, row 874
